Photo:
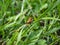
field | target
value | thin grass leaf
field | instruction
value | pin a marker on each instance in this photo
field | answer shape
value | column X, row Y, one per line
column 50, row 18
column 53, row 30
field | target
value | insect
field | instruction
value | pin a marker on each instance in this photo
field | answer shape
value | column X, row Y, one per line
column 29, row 20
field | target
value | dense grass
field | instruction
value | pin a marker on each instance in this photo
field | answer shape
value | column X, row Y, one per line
column 29, row 22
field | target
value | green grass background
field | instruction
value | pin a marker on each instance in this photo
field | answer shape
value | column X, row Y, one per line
column 43, row 30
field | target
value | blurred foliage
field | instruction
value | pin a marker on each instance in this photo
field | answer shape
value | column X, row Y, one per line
column 44, row 29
